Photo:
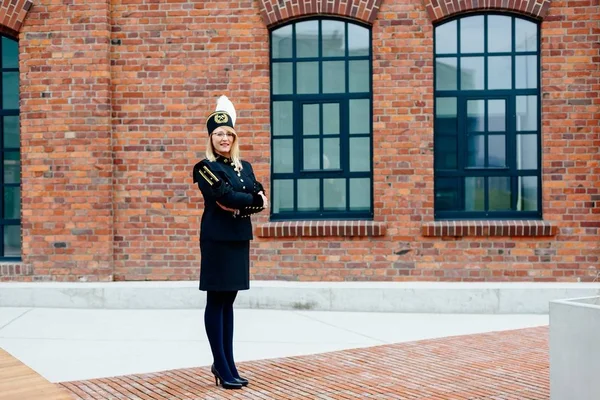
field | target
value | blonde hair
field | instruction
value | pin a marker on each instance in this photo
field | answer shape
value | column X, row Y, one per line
column 234, row 153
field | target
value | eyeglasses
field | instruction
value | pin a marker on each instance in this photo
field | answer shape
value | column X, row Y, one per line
column 221, row 135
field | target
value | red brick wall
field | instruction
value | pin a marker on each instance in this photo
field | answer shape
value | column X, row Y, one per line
column 441, row 9
column 12, row 14
column 277, row 12
column 571, row 134
column 165, row 80
column 66, row 140
column 169, row 61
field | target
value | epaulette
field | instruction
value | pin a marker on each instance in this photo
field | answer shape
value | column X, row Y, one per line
column 202, row 170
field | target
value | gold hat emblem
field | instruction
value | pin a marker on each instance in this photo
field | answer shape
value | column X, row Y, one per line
column 221, row 118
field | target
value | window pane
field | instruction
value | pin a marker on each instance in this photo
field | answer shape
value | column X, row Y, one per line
column 499, row 193
column 331, row 119
column 11, row 132
column 283, row 195
column 310, row 119
column 526, row 72
column 334, row 194
column 471, row 73
column 471, row 34
column 281, row 44
column 312, row 154
column 10, row 53
column 497, row 151
column 496, row 115
column 334, row 77
column 283, row 156
column 12, row 241
column 499, row 33
column 360, row 154
column 527, row 199
column 360, row 194
column 12, row 202
column 475, row 194
column 445, row 38
column 360, row 116
column 527, row 113
column 476, row 151
column 359, row 76
column 309, row 195
column 307, row 77
column 334, row 38
column 10, row 90
column 527, row 151
column 499, row 73
column 12, row 167
column 445, row 152
column 283, row 118
column 307, row 39
column 282, row 78
column 358, row 41
column 331, row 153
column 475, row 116
column 445, row 73
column 525, row 35
column 447, row 194
column 445, row 115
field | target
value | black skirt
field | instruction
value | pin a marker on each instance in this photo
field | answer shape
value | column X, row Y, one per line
column 224, row 265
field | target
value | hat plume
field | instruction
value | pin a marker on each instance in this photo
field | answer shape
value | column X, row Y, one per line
column 224, row 104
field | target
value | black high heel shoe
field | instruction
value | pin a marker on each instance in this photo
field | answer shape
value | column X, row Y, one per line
column 224, row 383
column 242, row 381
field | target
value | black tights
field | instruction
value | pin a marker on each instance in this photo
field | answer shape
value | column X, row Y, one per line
column 218, row 321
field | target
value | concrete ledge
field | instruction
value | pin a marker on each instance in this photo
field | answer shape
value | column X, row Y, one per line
column 408, row 297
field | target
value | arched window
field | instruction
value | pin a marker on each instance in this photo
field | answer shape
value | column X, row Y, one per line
column 321, row 120
column 487, row 140
column 10, row 178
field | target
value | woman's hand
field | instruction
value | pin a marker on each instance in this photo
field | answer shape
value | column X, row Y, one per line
column 264, row 198
column 233, row 210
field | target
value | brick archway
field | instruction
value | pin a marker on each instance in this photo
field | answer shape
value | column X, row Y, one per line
column 276, row 11
column 442, row 9
column 13, row 14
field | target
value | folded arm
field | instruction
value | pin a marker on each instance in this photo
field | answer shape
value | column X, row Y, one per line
column 256, row 189
column 214, row 187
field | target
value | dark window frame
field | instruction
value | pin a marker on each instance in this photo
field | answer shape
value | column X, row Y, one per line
column 298, row 100
column 510, row 95
column 4, row 222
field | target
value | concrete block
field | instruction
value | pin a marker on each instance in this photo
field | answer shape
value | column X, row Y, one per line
column 178, row 295
column 575, row 349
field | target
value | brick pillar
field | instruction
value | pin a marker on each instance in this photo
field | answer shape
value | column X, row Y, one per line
column 66, row 148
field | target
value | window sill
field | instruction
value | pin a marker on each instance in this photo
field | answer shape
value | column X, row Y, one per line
column 321, row 228
column 12, row 269
column 519, row 228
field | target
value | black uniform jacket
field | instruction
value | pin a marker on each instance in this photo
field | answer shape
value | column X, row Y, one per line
column 220, row 182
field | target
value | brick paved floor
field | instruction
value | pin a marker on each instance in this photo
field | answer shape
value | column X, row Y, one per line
column 511, row 365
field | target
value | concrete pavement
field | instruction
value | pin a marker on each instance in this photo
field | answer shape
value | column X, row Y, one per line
column 77, row 344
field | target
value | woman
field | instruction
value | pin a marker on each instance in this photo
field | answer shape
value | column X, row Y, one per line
column 231, row 194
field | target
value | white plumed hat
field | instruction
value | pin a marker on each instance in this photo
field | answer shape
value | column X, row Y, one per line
column 224, row 115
